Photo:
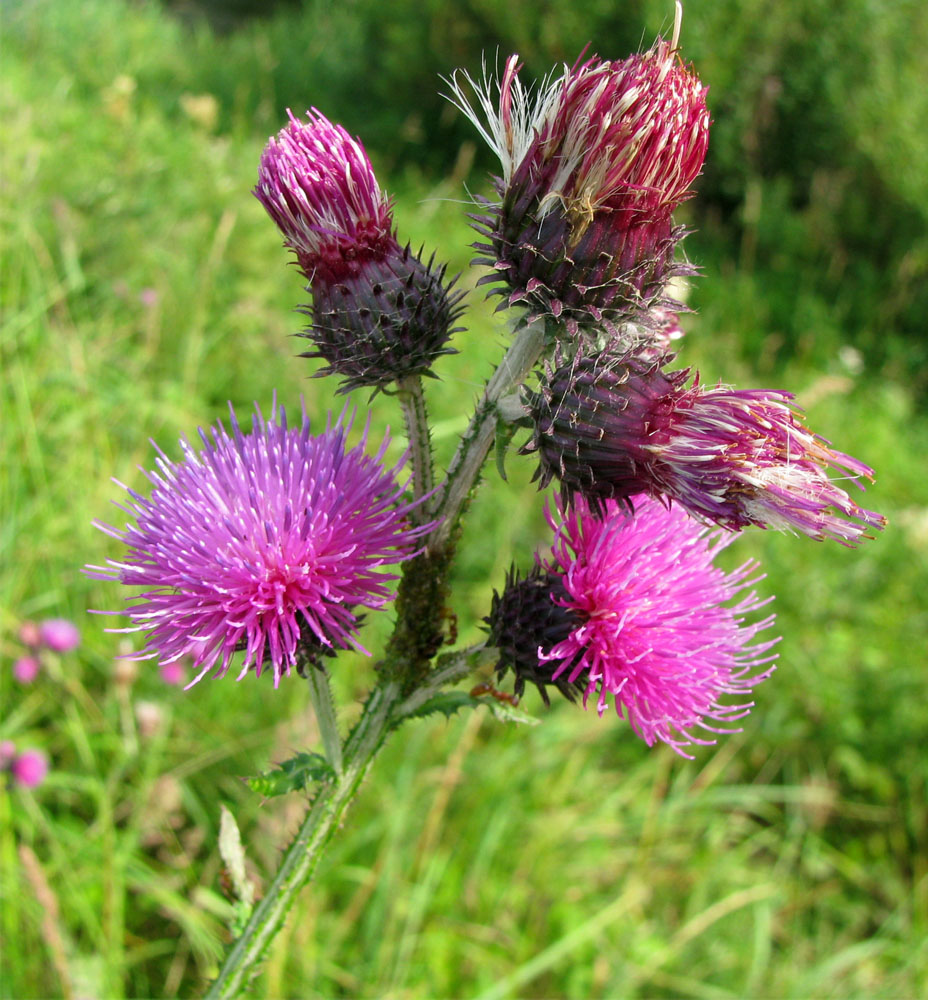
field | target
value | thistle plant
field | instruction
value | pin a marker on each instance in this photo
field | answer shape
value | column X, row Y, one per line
column 265, row 549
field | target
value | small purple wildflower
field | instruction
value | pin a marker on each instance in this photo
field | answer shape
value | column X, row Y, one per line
column 264, row 541
column 29, row 768
column 380, row 313
column 593, row 164
column 59, row 634
column 26, row 669
column 656, row 631
column 613, row 428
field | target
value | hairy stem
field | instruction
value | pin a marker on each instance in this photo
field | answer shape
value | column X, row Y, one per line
column 412, row 400
column 301, row 857
column 475, row 443
column 320, row 690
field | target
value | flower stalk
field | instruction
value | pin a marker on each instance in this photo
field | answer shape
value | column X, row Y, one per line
column 416, row 417
column 384, row 709
column 320, row 691
column 475, row 444
column 300, row 859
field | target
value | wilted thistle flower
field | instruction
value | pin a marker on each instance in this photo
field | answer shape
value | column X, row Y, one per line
column 379, row 313
column 649, row 620
column 613, row 428
column 593, row 164
column 264, row 541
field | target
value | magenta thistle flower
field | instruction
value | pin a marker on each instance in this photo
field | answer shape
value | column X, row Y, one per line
column 609, row 428
column 651, row 622
column 264, row 541
column 59, row 634
column 379, row 312
column 593, row 165
column 30, row 635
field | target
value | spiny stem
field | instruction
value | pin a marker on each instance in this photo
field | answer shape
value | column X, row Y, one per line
column 415, row 414
column 301, row 857
column 475, row 443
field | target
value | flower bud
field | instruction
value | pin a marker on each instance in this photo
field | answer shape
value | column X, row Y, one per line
column 379, row 312
column 613, row 428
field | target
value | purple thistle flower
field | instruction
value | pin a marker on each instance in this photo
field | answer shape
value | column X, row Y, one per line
column 59, row 634
column 264, row 541
column 593, row 165
column 379, row 313
column 656, row 631
column 613, row 428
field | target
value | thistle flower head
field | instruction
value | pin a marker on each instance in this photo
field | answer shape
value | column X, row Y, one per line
column 264, row 541
column 660, row 630
column 318, row 185
column 593, row 164
column 612, row 428
column 380, row 313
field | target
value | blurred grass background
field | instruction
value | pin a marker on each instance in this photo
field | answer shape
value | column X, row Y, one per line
column 142, row 288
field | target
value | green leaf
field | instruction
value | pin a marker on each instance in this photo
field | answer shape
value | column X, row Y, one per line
column 503, row 711
column 447, row 703
column 293, row 775
column 505, row 432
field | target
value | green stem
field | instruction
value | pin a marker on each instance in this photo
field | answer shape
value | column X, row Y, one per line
column 475, row 444
column 301, row 857
column 451, row 668
column 412, row 400
column 320, row 690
